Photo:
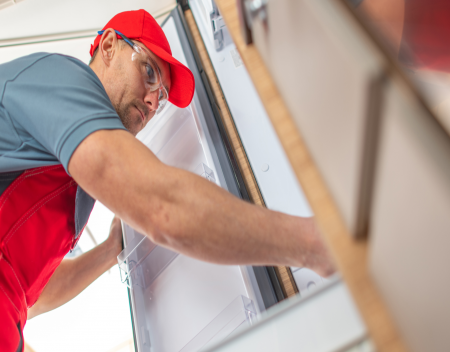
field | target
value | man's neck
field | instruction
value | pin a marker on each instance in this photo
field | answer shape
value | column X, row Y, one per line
column 97, row 70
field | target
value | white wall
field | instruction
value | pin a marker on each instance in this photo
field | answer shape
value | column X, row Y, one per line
column 78, row 48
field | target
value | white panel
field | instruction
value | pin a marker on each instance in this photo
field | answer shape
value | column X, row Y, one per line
column 43, row 17
column 177, row 139
column 325, row 322
column 171, row 308
column 185, row 298
column 410, row 236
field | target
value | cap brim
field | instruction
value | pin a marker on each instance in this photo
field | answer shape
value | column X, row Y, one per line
column 182, row 85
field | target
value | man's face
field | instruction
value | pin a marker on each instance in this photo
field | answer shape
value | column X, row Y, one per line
column 134, row 102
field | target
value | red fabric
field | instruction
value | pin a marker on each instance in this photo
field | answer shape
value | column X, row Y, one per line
column 9, row 334
column 37, row 230
column 141, row 26
column 426, row 33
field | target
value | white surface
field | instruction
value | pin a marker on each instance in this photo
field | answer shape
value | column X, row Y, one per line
column 205, row 139
column 78, row 48
column 176, row 139
column 278, row 184
column 43, row 17
column 237, row 315
column 182, row 301
column 185, row 298
column 98, row 320
column 325, row 322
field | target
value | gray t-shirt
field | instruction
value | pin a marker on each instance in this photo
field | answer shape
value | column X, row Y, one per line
column 49, row 103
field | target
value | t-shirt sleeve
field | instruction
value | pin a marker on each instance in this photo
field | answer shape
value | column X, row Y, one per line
column 59, row 101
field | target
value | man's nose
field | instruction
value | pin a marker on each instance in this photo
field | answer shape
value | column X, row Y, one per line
column 151, row 100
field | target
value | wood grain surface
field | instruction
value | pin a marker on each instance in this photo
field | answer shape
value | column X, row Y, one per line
column 284, row 274
column 350, row 255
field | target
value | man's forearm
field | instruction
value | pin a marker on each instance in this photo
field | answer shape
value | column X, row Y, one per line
column 73, row 275
column 186, row 213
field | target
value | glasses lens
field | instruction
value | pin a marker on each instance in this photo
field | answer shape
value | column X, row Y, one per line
column 148, row 68
column 162, row 99
column 151, row 75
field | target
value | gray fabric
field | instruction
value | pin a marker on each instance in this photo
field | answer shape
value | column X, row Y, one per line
column 6, row 179
column 83, row 207
column 48, row 104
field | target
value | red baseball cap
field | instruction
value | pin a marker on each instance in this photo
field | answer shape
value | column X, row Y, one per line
column 141, row 26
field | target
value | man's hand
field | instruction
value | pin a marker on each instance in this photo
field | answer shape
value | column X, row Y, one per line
column 188, row 214
column 73, row 275
column 115, row 237
column 316, row 255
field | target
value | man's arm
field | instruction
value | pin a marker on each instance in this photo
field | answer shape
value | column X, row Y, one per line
column 182, row 211
column 73, row 275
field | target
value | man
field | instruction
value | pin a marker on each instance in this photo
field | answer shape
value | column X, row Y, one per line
column 64, row 142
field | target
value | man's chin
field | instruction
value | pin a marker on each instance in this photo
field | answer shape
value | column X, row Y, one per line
column 136, row 127
column 132, row 123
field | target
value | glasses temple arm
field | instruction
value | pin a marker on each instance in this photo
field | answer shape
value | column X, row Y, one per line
column 128, row 41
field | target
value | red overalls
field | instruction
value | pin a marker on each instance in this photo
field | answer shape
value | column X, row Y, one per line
column 42, row 214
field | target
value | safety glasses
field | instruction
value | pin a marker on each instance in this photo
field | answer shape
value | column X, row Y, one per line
column 150, row 72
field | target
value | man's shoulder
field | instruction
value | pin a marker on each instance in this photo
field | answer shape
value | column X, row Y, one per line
column 44, row 58
column 56, row 61
column 49, row 65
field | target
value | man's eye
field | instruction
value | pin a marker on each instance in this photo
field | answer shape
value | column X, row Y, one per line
column 151, row 74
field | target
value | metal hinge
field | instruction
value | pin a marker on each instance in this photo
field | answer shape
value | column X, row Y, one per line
column 217, row 24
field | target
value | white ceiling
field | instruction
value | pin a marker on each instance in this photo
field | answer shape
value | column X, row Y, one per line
column 33, row 18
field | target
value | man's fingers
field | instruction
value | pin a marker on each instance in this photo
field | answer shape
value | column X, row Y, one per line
column 115, row 220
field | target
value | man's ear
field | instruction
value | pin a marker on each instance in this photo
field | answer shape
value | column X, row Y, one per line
column 108, row 46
